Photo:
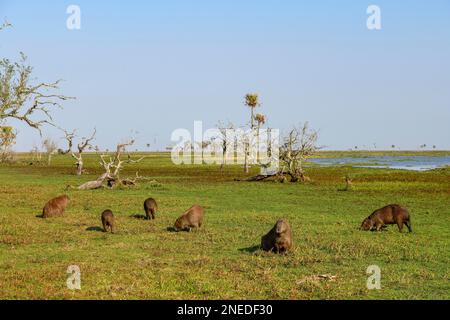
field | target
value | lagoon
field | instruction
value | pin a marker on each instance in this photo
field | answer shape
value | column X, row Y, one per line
column 416, row 163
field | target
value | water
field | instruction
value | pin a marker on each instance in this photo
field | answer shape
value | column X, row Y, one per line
column 417, row 163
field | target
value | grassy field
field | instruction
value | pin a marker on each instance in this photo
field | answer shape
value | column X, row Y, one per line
column 221, row 260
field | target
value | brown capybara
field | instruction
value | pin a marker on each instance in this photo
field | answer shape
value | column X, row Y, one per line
column 391, row 214
column 192, row 218
column 150, row 208
column 279, row 238
column 108, row 221
column 55, row 207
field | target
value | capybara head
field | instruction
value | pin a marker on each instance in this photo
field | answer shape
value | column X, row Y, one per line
column 281, row 226
column 366, row 225
column 179, row 225
column 63, row 199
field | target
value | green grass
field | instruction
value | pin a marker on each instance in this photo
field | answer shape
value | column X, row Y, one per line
column 145, row 261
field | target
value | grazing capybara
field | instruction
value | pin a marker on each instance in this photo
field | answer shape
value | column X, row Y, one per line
column 279, row 238
column 192, row 218
column 150, row 208
column 391, row 214
column 108, row 221
column 55, row 207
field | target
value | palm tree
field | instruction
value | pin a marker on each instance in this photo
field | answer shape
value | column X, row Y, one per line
column 252, row 101
column 260, row 120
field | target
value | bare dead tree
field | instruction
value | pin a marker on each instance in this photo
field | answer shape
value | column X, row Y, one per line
column 21, row 98
column 50, row 147
column 297, row 147
column 84, row 144
column 223, row 140
column 113, row 165
column 36, row 153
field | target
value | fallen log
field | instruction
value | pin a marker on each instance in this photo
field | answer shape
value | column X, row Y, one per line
column 258, row 177
column 96, row 184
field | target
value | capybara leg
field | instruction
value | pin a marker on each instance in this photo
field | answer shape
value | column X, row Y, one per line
column 378, row 226
column 408, row 225
column 104, row 227
column 278, row 248
column 111, row 227
column 152, row 211
column 147, row 215
column 400, row 226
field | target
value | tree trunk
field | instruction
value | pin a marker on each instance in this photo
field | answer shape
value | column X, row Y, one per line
column 258, row 177
column 79, row 163
column 224, row 152
column 91, row 185
column 246, row 163
column 94, row 184
column 79, row 168
column 246, row 156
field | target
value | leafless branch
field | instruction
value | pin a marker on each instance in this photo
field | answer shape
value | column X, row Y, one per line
column 82, row 145
column 297, row 147
column 21, row 99
column 113, row 164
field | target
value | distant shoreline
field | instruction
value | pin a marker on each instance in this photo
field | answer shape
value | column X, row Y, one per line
column 319, row 154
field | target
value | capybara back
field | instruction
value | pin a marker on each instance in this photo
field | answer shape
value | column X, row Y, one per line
column 55, row 207
column 150, row 207
column 279, row 238
column 390, row 214
column 108, row 221
column 192, row 218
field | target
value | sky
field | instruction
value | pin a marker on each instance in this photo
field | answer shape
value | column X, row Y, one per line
column 145, row 68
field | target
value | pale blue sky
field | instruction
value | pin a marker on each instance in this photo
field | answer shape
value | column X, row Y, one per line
column 154, row 66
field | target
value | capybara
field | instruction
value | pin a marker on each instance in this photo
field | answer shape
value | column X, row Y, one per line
column 391, row 214
column 108, row 221
column 55, row 207
column 150, row 208
column 279, row 238
column 192, row 218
